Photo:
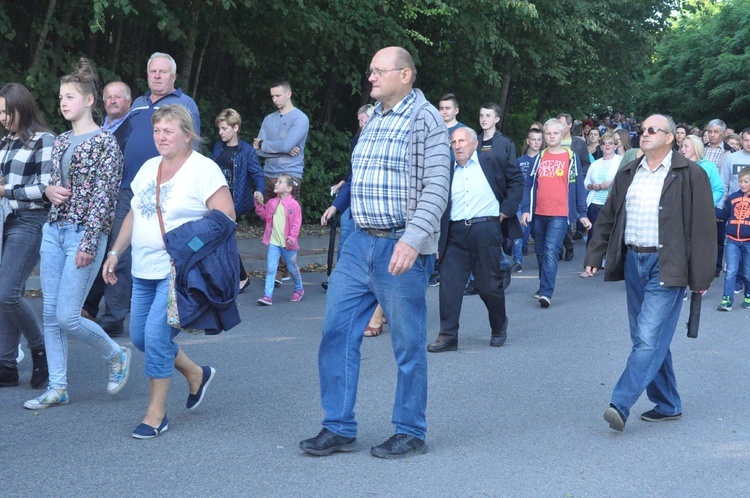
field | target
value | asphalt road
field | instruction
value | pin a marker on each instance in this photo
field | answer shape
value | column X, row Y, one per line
column 521, row 420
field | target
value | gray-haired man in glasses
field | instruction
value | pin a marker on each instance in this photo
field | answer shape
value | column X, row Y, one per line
column 658, row 231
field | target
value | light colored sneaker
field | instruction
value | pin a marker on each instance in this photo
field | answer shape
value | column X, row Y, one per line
column 119, row 369
column 49, row 398
column 544, row 301
column 20, row 356
column 297, row 296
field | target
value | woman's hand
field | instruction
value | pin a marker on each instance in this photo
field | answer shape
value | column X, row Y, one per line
column 605, row 185
column 58, row 195
column 108, row 269
column 83, row 259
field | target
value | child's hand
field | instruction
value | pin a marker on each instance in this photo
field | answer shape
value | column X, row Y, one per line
column 289, row 242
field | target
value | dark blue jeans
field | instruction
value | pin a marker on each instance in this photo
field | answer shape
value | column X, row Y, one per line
column 738, row 266
column 22, row 236
column 548, row 233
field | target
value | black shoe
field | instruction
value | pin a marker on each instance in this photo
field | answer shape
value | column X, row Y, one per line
column 8, row 376
column 40, row 374
column 516, row 268
column 569, row 255
column 577, row 235
column 324, row 285
column 498, row 339
column 113, row 329
column 441, row 346
column 717, row 273
column 326, row 442
column 434, row 280
column 614, row 418
column 524, row 251
column 470, row 290
column 399, row 446
column 654, row 416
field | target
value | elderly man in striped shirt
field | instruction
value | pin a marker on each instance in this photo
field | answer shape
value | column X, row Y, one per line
column 399, row 190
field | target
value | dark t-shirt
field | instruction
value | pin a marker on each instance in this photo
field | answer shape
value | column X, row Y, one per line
column 226, row 163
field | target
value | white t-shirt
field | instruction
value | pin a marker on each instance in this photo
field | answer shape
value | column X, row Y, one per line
column 183, row 199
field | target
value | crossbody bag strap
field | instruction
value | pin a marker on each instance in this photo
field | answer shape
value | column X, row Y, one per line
column 158, row 203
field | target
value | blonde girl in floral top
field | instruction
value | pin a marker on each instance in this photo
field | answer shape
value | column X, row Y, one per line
column 85, row 176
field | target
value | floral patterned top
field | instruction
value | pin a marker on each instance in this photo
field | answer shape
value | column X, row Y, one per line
column 94, row 177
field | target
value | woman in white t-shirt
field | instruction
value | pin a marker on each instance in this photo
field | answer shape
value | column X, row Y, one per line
column 599, row 179
column 190, row 185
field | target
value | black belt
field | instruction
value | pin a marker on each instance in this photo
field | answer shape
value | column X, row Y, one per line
column 393, row 233
column 481, row 219
column 642, row 248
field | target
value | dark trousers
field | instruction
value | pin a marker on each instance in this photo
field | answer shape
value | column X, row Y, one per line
column 116, row 297
column 471, row 249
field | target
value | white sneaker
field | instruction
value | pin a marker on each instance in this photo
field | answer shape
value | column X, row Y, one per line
column 21, row 355
column 49, row 398
column 119, row 369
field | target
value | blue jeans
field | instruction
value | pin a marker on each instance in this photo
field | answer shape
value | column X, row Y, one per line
column 22, row 235
column 653, row 312
column 346, row 225
column 65, row 287
column 149, row 329
column 737, row 256
column 358, row 283
column 548, row 233
column 272, row 264
column 520, row 244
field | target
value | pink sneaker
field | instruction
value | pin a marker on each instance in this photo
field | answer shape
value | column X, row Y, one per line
column 265, row 301
column 297, row 296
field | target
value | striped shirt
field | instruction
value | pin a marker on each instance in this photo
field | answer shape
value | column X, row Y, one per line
column 642, row 204
column 381, row 167
column 26, row 169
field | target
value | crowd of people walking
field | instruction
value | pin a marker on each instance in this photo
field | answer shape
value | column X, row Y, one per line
column 127, row 211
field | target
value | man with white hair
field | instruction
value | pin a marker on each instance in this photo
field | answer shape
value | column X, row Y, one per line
column 717, row 151
column 161, row 72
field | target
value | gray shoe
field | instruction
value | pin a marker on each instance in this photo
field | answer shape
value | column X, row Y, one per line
column 614, row 418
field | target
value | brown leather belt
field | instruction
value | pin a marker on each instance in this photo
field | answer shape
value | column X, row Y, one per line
column 642, row 249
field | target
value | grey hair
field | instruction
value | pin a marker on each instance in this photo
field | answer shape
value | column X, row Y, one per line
column 162, row 55
column 472, row 133
column 127, row 88
column 366, row 109
column 718, row 122
column 671, row 127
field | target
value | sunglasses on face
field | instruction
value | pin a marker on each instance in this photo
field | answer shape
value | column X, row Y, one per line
column 652, row 130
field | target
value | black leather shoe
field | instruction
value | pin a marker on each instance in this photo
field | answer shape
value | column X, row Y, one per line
column 113, row 329
column 324, row 285
column 497, row 340
column 8, row 376
column 505, row 274
column 441, row 346
column 569, row 254
column 326, row 442
column 470, row 290
column 399, row 446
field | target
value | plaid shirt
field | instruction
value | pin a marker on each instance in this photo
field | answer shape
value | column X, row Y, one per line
column 715, row 154
column 642, row 204
column 381, row 168
column 26, row 169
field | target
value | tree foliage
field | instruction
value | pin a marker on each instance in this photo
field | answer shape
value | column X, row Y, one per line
column 531, row 57
column 701, row 68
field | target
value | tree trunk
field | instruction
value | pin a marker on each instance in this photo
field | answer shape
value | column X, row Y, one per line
column 189, row 53
column 194, row 92
column 58, row 49
column 118, row 44
column 43, row 34
column 504, row 89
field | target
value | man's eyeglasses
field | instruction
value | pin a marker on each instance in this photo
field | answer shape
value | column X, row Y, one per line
column 652, row 130
column 380, row 72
